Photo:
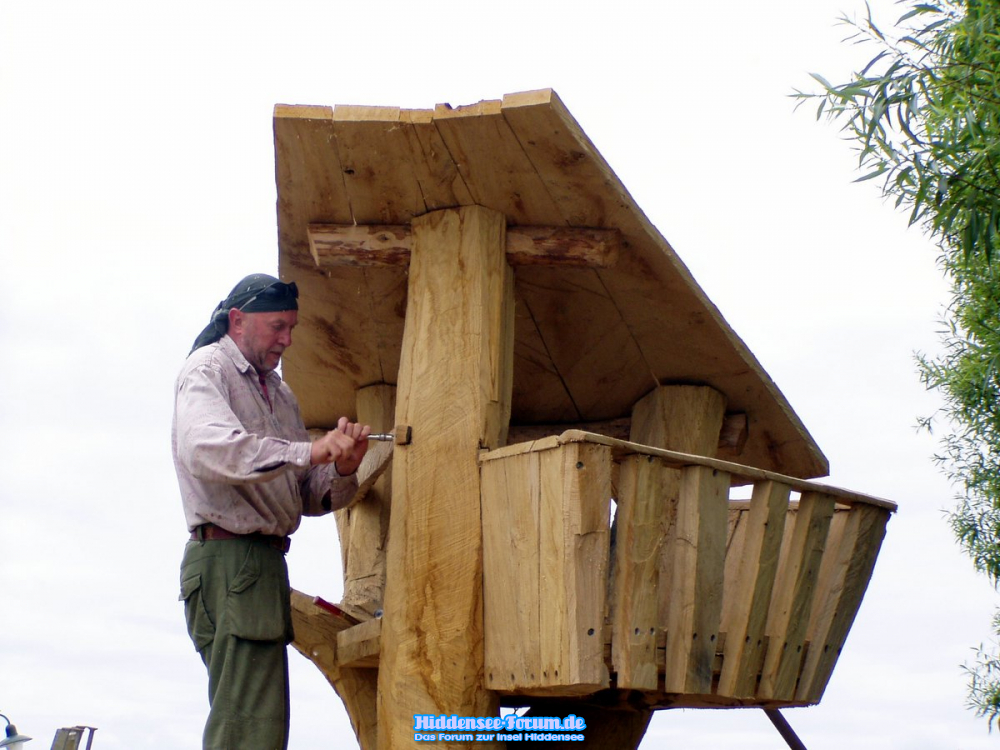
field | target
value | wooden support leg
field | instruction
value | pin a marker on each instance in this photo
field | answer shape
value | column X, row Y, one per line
column 686, row 418
column 316, row 639
column 454, row 390
column 363, row 542
column 618, row 728
column 682, row 418
column 363, row 530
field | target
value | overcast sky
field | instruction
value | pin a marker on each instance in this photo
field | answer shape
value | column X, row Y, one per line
column 137, row 186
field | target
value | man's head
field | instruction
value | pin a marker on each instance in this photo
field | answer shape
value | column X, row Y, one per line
column 238, row 314
column 262, row 337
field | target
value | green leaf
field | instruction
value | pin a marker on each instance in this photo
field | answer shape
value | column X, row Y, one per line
column 871, row 175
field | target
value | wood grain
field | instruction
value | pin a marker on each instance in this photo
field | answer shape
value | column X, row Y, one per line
column 452, row 391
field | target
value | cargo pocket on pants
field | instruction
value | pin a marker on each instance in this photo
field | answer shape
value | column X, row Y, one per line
column 257, row 604
column 199, row 623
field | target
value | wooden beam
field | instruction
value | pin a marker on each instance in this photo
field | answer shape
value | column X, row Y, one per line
column 574, row 531
column 454, row 390
column 359, row 646
column 646, row 557
column 684, row 418
column 316, row 635
column 511, row 495
column 644, row 519
column 677, row 417
column 389, row 245
column 846, row 581
column 364, row 525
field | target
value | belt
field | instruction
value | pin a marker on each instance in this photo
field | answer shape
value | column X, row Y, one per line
column 209, row 532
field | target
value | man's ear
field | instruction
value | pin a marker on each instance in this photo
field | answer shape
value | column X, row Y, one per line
column 236, row 321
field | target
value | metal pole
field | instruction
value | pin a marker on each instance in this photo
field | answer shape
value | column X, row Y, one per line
column 784, row 729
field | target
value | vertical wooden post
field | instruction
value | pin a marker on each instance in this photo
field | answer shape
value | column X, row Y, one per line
column 365, row 526
column 454, row 390
column 316, row 639
column 682, row 418
column 686, row 418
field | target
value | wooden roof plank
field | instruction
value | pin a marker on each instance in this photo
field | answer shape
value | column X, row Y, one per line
column 493, row 164
column 440, row 181
column 378, row 159
column 339, row 347
column 589, row 193
column 538, row 387
column 309, row 179
column 565, row 303
column 578, row 178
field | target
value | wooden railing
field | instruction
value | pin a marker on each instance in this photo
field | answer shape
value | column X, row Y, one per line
column 699, row 600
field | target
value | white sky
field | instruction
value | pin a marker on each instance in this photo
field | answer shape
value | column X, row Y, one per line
column 137, row 185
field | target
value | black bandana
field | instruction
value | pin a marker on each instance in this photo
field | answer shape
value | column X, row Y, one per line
column 258, row 292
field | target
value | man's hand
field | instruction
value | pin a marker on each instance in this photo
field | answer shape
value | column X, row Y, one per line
column 345, row 446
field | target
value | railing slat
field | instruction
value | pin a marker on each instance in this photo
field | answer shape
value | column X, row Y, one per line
column 647, row 510
column 699, row 552
column 511, row 497
column 794, row 593
column 574, row 536
column 750, row 575
column 849, row 576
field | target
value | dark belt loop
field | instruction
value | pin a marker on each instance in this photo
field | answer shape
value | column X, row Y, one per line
column 199, row 533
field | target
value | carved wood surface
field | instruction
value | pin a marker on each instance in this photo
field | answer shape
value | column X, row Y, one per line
column 588, row 342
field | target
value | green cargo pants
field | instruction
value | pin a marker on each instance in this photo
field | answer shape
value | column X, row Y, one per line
column 237, row 602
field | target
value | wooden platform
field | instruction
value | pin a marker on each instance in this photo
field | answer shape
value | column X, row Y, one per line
column 700, row 601
column 703, row 601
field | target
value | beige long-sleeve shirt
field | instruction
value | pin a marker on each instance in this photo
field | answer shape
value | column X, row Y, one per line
column 242, row 463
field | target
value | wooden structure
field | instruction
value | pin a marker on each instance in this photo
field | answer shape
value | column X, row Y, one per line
column 480, row 281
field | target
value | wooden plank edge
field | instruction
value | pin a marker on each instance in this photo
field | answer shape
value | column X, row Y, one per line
column 302, row 112
column 678, row 460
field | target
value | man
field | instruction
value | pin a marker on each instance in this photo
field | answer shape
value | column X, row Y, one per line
column 247, row 473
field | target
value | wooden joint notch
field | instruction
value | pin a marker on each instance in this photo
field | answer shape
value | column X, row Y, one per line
column 389, row 245
column 359, row 647
column 734, row 433
column 403, row 434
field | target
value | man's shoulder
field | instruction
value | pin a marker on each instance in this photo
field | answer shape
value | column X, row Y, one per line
column 207, row 359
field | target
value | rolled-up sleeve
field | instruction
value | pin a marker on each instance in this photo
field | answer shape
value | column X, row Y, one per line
column 324, row 490
column 214, row 446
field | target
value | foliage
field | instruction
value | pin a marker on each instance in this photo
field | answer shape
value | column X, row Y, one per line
column 925, row 114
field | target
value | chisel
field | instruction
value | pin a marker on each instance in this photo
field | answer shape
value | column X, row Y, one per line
column 401, row 435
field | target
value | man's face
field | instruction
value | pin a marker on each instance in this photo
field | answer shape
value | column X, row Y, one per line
column 263, row 337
